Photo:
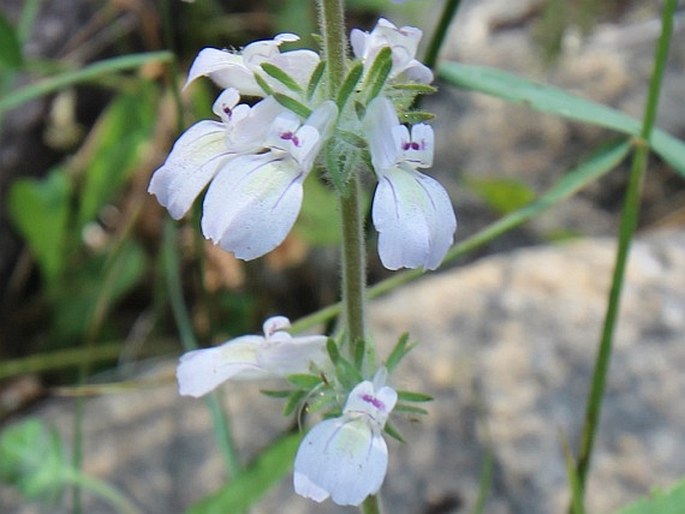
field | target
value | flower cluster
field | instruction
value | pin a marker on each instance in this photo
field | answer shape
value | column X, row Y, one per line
column 253, row 161
column 346, row 457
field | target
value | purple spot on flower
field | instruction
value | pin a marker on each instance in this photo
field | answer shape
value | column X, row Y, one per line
column 227, row 110
column 290, row 136
column 413, row 145
column 369, row 398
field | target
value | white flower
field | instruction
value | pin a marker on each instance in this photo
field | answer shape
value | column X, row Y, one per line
column 346, row 458
column 254, row 200
column 237, row 70
column 411, row 211
column 403, row 42
column 197, row 154
column 276, row 354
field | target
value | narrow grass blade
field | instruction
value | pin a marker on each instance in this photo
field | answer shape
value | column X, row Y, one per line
column 89, row 73
column 550, row 99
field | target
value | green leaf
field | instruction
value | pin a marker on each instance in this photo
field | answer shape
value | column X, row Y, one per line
column 322, row 399
column 332, row 349
column 659, row 502
column 392, row 431
column 11, row 57
column 352, row 139
column 556, row 101
column 410, row 409
column 253, row 483
column 413, row 117
column 290, row 103
column 281, row 76
column 40, row 210
column 378, row 73
column 304, row 381
column 347, row 374
column 402, row 348
column 283, row 393
column 411, row 396
column 95, row 287
column 294, row 401
column 503, row 195
column 670, row 149
column 537, row 96
column 268, row 91
column 315, row 79
column 349, row 84
column 33, row 460
column 90, row 73
column 419, row 89
column 123, row 134
column 29, row 12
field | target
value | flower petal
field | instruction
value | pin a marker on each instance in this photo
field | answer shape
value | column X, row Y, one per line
column 275, row 324
column 415, row 219
column 415, row 71
column 226, row 69
column 284, row 357
column 193, row 161
column 342, row 458
column 376, row 404
column 299, row 64
column 225, row 103
column 201, row 371
column 252, row 203
column 379, row 123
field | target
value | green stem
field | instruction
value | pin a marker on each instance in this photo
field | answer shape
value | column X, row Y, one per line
column 440, row 33
column 371, row 505
column 353, row 266
column 332, row 23
column 185, row 330
column 332, row 26
column 626, row 230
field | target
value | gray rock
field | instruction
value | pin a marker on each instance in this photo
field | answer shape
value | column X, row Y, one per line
column 478, row 136
column 506, row 347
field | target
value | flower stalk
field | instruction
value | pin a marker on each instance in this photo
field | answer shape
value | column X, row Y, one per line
column 353, row 285
column 332, row 21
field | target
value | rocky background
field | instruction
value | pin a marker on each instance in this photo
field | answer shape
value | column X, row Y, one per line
column 507, row 341
column 506, row 348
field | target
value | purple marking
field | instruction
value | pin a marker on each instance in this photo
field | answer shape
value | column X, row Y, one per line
column 289, row 136
column 227, row 110
column 369, row 398
column 413, row 145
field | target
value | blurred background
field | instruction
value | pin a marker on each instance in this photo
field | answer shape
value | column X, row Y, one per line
column 83, row 288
